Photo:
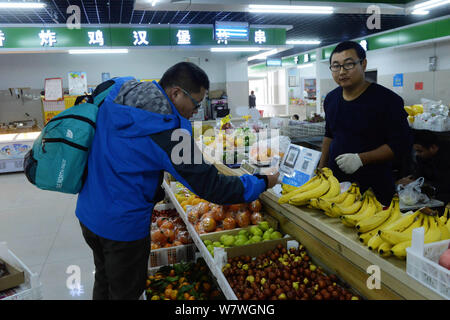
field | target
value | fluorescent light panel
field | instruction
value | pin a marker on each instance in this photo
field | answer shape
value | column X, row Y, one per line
column 22, row 5
column 305, row 66
column 257, row 8
column 430, row 4
column 263, row 55
column 231, row 49
column 303, row 41
column 97, row 51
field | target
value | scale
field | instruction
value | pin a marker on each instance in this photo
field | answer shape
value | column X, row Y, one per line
column 260, row 168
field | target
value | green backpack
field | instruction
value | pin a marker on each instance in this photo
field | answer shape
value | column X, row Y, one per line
column 58, row 159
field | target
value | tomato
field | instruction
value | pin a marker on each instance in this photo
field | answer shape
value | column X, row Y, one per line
column 158, row 237
column 218, row 214
column 243, row 218
column 193, row 216
column 167, row 224
column 256, row 218
column 169, row 234
column 160, row 221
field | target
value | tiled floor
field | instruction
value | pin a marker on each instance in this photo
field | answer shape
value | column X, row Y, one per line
column 41, row 229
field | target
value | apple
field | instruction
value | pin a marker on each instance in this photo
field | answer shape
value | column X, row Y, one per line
column 256, row 231
column 276, row 235
column 264, row 225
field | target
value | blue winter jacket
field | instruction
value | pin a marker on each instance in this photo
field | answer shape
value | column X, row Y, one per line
column 131, row 150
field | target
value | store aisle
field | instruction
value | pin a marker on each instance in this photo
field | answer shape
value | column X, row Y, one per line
column 41, row 228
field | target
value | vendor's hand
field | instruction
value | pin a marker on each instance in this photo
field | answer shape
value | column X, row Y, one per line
column 349, row 162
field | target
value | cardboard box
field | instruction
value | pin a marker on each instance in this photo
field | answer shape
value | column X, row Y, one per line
column 15, row 277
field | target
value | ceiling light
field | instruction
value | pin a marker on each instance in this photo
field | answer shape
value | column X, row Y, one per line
column 303, row 41
column 420, row 12
column 305, row 65
column 430, row 4
column 154, row 2
column 258, row 8
column 97, row 51
column 22, row 5
column 236, row 49
column 263, row 55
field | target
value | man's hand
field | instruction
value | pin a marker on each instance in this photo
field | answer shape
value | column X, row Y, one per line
column 272, row 179
column 349, row 162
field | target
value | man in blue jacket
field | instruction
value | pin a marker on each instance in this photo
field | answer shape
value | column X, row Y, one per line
column 132, row 147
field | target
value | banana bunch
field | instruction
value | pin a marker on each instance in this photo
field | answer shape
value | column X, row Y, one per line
column 328, row 187
column 436, row 229
column 344, row 199
column 369, row 206
column 323, row 184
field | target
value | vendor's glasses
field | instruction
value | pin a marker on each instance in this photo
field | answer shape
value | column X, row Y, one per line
column 195, row 102
column 347, row 66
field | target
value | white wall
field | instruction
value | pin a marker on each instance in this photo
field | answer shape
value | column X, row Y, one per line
column 30, row 69
column 236, row 70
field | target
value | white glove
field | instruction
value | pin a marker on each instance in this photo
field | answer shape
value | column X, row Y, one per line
column 349, row 162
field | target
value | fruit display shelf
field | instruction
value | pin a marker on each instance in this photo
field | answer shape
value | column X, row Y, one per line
column 337, row 247
column 215, row 270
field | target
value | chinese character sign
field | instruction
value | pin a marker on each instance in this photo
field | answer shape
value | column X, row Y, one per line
column 96, row 38
column 2, row 38
column 222, row 36
column 140, row 37
column 260, row 36
column 184, row 37
column 48, row 38
column 296, row 59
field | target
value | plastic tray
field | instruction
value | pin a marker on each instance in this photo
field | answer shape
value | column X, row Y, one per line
column 165, row 256
column 422, row 264
column 31, row 289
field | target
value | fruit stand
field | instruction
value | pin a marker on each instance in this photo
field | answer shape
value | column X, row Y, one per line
column 337, row 247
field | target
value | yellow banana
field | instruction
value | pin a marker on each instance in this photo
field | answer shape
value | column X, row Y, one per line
column 286, row 188
column 372, row 222
column 340, row 209
column 313, row 203
column 313, row 183
column 303, row 198
column 374, row 242
column 335, row 188
column 368, row 212
column 349, row 200
column 394, row 237
column 402, row 222
column 365, row 237
column 341, row 197
column 384, row 249
column 433, row 234
column 393, row 216
column 363, row 207
column 445, row 233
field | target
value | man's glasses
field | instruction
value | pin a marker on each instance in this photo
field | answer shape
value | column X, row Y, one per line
column 347, row 66
column 195, row 102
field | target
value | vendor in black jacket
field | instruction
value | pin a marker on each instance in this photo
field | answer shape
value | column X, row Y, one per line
column 366, row 125
column 432, row 162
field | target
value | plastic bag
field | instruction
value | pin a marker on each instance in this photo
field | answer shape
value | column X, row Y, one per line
column 411, row 194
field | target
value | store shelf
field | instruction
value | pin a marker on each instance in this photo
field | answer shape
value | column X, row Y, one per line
column 338, row 247
column 213, row 266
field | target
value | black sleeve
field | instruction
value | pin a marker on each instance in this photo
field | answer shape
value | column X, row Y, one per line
column 184, row 160
column 328, row 133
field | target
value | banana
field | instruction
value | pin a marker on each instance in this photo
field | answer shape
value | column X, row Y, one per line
column 363, row 207
column 365, row 237
column 341, row 197
column 314, row 203
column 303, row 197
column 374, row 242
column 399, row 250
column 394, row 237
column 402, row 222
column 385, row 249
column 362, row 214
column 286, row 188
column 431, row 235
column 335, row 188
column 349, row 200
column 445, row 233
column 372, row 222
column 313, row 183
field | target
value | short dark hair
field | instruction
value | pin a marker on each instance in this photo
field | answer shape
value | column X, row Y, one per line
column 347, row 45
column 425, row 138
column 186, row 75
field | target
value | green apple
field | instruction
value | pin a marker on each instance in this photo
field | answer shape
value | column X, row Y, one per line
column 217, row 244
column 264, row 225
column 242, row 237
column 276, row 235
column 243, row 232
column 256, row 231
column 239, row 242
column 207, row 242
column 270, row 230
column 266, row 236
column 228, row 241
column 256, row 239
column 210, row 247
column 223, row 237
column 250, row 241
